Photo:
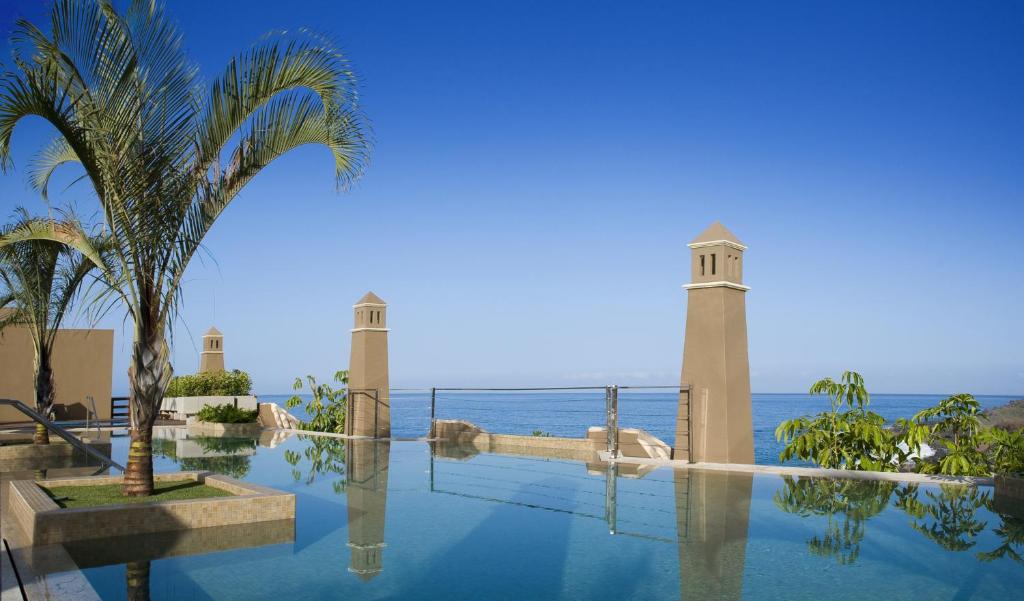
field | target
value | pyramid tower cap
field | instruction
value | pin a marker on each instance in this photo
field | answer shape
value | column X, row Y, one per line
column 716, row 233
column 370, row 299
column 213, row 332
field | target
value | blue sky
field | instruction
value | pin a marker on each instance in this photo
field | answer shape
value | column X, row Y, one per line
column 540, row 166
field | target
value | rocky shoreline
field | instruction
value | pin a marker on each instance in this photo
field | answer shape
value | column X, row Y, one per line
column 1009, row 417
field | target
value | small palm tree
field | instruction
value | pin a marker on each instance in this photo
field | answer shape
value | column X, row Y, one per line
column 164, row 154
column 39, row 281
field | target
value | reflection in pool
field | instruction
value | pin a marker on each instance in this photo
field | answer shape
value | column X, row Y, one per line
column 457, row 524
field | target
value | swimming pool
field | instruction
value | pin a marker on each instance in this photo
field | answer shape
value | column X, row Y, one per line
column 400, row 520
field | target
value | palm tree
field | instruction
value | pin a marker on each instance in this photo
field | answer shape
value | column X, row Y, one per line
column 164, row 154
column 39, row 280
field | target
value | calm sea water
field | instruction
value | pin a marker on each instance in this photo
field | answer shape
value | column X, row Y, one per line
column 398, row 520
column 570, row 413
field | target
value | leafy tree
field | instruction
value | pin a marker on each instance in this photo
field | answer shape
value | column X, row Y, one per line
column 326, row 409
column 955, row 424
column 164, row 154
column 849, row 436
column 39, row 282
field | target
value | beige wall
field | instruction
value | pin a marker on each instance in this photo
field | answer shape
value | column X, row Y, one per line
column 82, row 366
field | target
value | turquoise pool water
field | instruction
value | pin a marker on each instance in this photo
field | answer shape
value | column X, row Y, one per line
column 399, row 521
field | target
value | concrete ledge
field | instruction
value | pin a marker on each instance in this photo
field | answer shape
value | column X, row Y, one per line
column 215, row 429
column 457, row 439
column 44, row 522
column 633, row 442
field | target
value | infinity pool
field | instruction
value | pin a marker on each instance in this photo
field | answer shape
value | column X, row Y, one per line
column 377, row 520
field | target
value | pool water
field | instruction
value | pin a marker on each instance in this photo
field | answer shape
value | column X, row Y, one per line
column 400, row 520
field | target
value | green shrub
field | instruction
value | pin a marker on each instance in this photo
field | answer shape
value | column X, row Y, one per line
column 226, row 414
column 326, row 409
column 221, row 383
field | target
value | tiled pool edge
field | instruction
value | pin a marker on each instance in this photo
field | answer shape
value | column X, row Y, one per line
column 44, row 522
column 781, row 470
column 809, row 472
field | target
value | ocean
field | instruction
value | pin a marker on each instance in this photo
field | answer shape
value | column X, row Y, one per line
column 569, row 413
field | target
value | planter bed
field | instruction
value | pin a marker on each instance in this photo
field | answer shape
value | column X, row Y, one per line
column 43, row 521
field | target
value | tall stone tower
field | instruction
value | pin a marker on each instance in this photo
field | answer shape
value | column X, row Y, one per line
column 212, row 357
column 715, row 362
column 367, row 493
column 368, row 370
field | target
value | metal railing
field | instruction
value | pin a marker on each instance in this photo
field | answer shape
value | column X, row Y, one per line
column 624, row 406
column 67, row 436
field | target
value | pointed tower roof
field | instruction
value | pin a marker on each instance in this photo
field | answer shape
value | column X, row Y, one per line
column 714, row 233
column 371, row 299
column 213, row 332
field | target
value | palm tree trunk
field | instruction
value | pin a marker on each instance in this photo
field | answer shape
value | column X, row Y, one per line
column 45, row 392
column 148, row 377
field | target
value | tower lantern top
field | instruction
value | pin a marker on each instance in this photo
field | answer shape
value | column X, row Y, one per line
column 716, row 259
column 370, row 313
column 716, row 233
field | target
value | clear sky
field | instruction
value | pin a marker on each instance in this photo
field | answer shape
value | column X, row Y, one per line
column 540, row 166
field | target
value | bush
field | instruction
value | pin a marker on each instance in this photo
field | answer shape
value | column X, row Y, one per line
column 326, row 409
column 221, row 383
column 226, row 414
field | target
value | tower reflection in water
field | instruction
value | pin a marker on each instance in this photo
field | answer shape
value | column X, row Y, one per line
column 712, row 515
column 367, row 493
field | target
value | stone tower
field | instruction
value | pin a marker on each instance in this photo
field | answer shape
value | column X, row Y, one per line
column 367, row 495
column 715, row 362
column 212, row 357
column 368, row 370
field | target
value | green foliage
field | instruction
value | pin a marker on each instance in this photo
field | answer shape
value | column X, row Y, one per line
column 542, row 434
column 1005, row 450
column 849, row 436
column 327, row 408
column 226, row 414
column 222, row 383
column 164, row 152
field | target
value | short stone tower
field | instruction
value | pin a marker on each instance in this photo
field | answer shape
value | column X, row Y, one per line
column 212, row 357
column 369, row 403
column 715, row 362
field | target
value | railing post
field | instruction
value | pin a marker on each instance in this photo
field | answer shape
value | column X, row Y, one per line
column 351, row 417
column 615, row 418
column 689, row 424
column 433, row 409
column 611, row 405
column 376, row 411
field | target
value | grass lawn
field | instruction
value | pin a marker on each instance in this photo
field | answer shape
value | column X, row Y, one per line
column 71, row 497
